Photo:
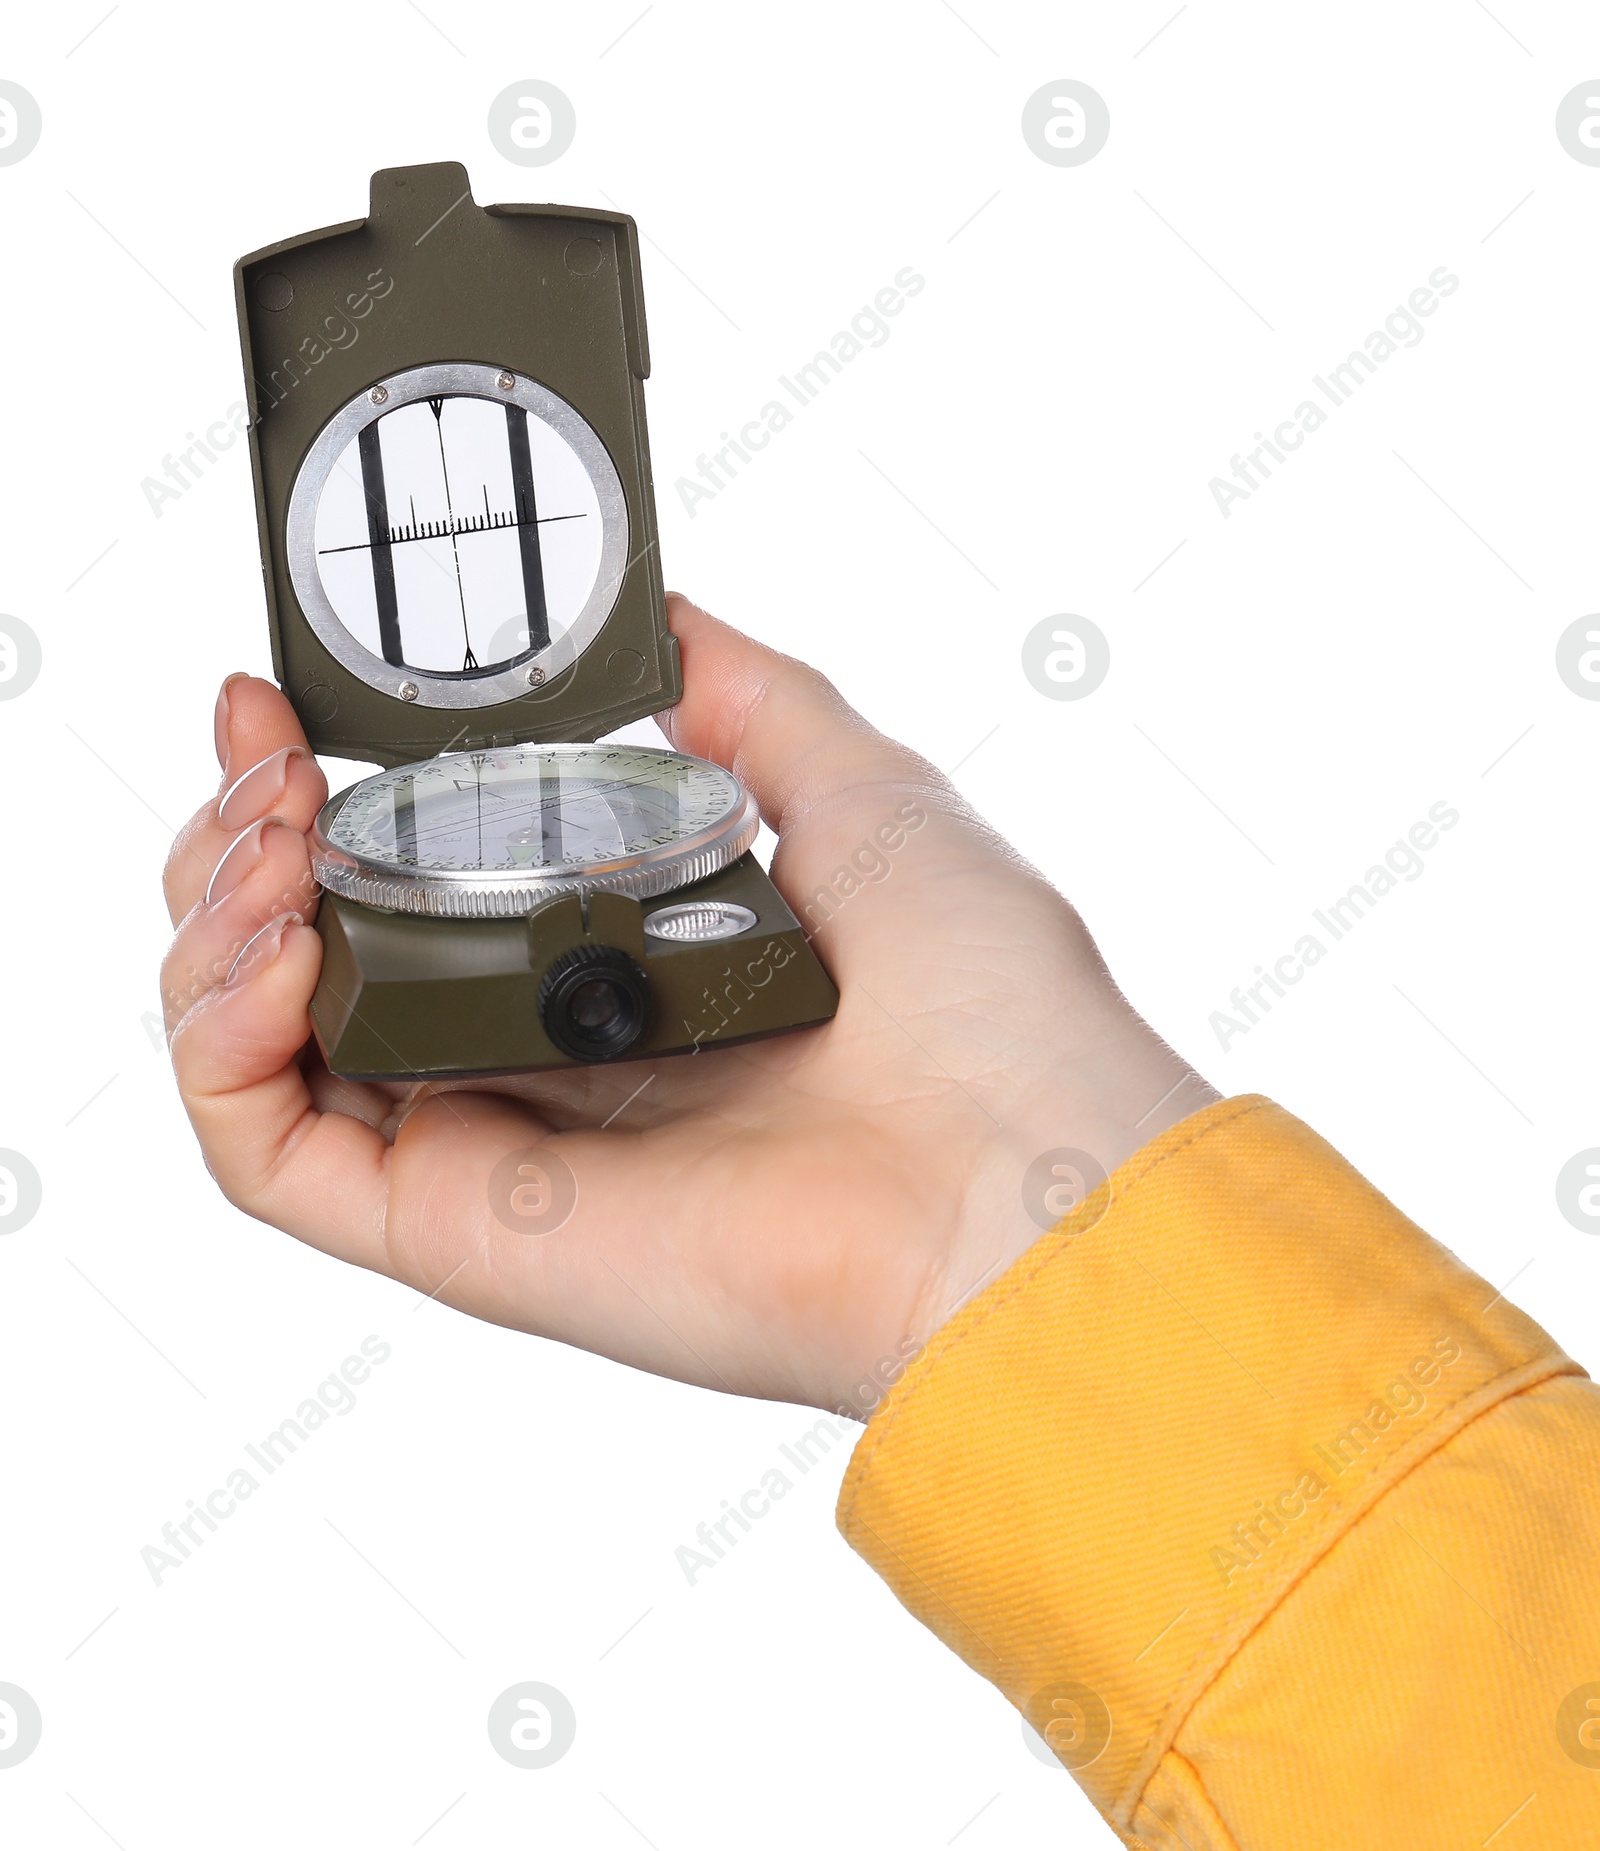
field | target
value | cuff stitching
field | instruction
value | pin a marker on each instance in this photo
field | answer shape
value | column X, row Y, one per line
column 1317, row 1544
column 1219, row 1837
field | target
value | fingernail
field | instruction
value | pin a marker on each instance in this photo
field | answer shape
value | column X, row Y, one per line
column 240, row 859
column 258, row 791
column 259, row 951
column 220, row 724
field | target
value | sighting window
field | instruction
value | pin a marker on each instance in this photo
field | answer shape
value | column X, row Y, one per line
column 465, row 544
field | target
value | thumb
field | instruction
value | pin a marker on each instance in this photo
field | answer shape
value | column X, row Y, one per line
column 783, row 729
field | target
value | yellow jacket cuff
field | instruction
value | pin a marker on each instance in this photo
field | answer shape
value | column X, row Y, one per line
column 1230, row 1484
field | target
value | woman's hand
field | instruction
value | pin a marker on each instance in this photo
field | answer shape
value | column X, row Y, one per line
column 789, row 1218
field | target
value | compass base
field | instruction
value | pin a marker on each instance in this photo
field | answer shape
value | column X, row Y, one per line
column 406, row 998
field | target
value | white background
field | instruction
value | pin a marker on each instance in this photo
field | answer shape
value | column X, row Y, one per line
column 1364, row 637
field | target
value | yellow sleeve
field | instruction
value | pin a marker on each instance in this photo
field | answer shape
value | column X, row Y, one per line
column 1278, row 1522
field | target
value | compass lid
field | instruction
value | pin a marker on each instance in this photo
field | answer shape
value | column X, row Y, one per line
column 452, row 473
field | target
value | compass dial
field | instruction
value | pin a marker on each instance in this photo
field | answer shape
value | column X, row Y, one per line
column 494, row 834
column 457, row 535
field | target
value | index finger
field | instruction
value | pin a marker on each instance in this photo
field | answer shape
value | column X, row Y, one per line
column 267, row 770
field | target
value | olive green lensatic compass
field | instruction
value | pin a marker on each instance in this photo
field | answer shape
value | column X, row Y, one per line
column 459, row 544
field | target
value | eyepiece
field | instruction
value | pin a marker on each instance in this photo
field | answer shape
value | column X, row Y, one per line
column 594, row 1003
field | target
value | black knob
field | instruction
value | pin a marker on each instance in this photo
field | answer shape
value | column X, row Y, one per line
column 594, row 1003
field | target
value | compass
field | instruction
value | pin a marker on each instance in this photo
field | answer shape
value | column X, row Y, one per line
column 459, row 542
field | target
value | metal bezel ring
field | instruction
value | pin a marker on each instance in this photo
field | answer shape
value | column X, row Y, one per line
column 502, row 894
column 457, row 379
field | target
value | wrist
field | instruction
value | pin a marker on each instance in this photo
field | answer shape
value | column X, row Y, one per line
column 1063, row 1141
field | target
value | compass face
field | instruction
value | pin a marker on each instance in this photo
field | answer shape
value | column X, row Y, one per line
column 493, row 834
column 457, row 535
